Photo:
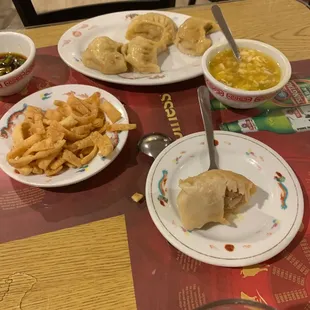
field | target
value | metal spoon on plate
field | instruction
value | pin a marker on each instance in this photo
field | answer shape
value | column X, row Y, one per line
column 218, row 15
column 204, row 103
column 152, row 144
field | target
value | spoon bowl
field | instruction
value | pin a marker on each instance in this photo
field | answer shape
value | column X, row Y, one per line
column 152, row 144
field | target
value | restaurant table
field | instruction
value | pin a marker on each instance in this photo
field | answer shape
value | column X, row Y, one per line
column 58, row 276
column 282, row 23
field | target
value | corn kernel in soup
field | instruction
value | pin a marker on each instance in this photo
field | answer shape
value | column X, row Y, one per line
column 255, row 71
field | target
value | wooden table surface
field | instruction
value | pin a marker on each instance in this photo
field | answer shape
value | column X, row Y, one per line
column 284, row 24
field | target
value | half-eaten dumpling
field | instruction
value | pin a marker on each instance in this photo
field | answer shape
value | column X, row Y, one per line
column 104, row 54
column 141, row 54
column 191, row 36
column 211, row 195
column 153, row 26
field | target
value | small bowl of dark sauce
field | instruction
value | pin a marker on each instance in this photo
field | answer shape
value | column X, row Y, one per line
column 17, row 54
column 10, row 62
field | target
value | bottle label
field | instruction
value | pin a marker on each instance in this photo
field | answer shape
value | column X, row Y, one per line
column 294, row 93
column 299, row 118
column 247, row 125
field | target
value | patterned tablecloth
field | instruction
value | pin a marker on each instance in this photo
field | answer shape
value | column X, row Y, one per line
column 163, row 277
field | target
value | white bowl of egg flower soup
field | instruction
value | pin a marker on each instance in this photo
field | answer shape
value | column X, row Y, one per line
column 258, row 77
column 17, row 53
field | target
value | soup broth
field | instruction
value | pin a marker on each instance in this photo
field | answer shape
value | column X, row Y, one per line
column 255, row 71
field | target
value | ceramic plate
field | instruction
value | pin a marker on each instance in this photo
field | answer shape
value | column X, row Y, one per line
column 263, row 229
column 44, row 99
column 175, row 66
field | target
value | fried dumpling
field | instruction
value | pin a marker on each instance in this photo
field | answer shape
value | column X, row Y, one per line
column 153, row 26
column 141, row 54
column 212, row 195
column 105, row 55
column 191, row 36
column 104, row 43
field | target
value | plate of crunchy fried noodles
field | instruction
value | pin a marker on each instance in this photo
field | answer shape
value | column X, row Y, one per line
column 62, row 135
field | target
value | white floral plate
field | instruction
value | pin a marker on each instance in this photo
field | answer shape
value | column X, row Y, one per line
column 44, row 99
column 175, row 66
column 261, row 231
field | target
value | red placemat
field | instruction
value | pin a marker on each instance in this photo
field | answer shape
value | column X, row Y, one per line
column 163, row 277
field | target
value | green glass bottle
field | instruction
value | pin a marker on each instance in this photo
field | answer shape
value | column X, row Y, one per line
column 217, row 105
column 281, row 121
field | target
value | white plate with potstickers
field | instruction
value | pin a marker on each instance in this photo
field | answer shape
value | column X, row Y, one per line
column 254, row 233
column 62, row 135
column 175, row 66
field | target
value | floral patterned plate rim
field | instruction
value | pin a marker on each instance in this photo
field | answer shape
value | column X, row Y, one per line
column 176, row 67
column 263, row 229
column 44, row 99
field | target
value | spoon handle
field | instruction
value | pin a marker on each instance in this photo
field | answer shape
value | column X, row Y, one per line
column 218, row 15
column 204, row 103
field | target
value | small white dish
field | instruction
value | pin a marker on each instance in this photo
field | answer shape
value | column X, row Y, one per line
column 261, row 231
column 44, row 99
column 176, row 67
column 13, row 42
column 245, row 99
